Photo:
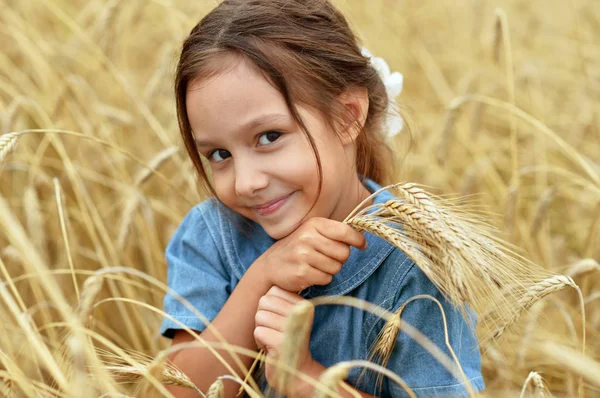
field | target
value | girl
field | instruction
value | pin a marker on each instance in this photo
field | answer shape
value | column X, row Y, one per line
column 282, row 116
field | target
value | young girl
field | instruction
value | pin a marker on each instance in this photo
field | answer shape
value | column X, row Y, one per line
column 282, row 117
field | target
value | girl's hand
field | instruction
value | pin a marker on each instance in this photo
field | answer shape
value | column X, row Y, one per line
column 270, row 320
column 311, row 255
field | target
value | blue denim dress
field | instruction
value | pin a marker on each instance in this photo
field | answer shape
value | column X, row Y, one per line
column 213, row 247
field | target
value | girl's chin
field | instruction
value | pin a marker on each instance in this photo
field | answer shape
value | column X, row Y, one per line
column 280, row 231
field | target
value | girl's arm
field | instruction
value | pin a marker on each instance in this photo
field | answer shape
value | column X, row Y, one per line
column 311, row 255
column 235, row 322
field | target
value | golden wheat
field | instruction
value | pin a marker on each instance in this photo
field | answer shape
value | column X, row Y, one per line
column 331, row 379
column 535, row 293
column 134, row 374
column 297, row 331
column 538, row 384
column 216, row 390
column 7, row 143
column 114, row 100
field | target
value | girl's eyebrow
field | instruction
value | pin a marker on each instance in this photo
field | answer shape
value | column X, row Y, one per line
column 251, row 125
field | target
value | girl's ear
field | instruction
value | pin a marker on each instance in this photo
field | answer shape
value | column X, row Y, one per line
column 355, row 107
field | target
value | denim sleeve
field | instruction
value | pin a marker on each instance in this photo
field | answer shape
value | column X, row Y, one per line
column 419, row 369
column 195, row 271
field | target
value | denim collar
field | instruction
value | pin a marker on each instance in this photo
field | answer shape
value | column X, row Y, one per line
column 359, row 266
column 361, row 263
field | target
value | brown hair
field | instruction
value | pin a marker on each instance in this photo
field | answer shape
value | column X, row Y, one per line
column 307, row 50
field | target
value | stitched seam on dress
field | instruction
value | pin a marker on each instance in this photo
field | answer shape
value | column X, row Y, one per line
column 202, row 210
column 230, row 247
column 394, row 296
column 183, row 316
column 449, row 385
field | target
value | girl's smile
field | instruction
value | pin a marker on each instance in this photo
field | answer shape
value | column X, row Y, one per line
column 271, row 207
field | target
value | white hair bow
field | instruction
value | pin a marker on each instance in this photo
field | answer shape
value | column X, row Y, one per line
column 393, row 85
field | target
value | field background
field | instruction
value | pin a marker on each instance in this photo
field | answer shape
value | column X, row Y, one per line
column 504, row 97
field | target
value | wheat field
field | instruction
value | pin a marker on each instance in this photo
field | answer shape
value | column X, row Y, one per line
column 504, row 97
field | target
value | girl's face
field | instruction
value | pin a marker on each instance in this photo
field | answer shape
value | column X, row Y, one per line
column 262, row 163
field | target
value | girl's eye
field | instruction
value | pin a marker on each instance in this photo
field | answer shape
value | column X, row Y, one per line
column 219, row 155
column 268, row 137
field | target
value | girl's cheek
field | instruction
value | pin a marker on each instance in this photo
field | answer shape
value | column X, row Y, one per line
column 224, row 185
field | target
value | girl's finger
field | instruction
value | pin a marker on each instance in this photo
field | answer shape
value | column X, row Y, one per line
column 324, row 263
column 270, row 319
column 342, row 232
column 275, row 304
column 335, row 250
column 276, row 291
column 267, row 338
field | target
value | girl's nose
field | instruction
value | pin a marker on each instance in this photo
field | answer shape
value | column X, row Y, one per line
column 249, row 179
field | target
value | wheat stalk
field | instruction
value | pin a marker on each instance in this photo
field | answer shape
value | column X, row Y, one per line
column 155, row 163
column 542, row 209
column 34, row 220
column 447, row 134
column 583, row 267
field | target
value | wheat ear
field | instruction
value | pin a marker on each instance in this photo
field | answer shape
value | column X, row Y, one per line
column 89, row 292
column 296, row 331
column 535, row 293
column 538, row 383
column 216, row 390
column 7, row 143
column 170, row 375
column 331, row 379
column 80, row 377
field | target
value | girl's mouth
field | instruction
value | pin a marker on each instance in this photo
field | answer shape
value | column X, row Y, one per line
column 272, row 207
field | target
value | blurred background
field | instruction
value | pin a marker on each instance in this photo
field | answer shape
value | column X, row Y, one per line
column 503, row 97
